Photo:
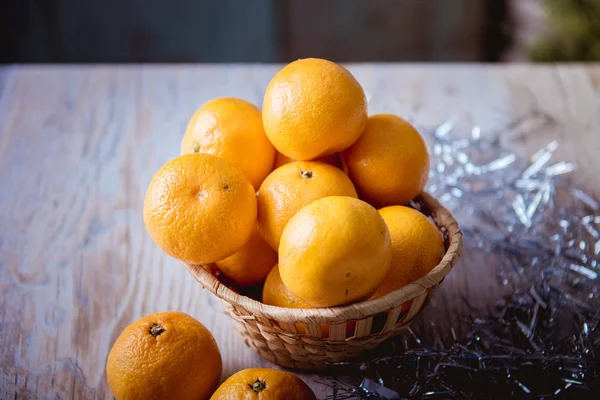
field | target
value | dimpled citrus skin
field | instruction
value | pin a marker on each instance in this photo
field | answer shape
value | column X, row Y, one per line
column 263, row 384
column 334, row 251
column 313, row 107
column 251, row 264
column 199, row 208
column 232, row 129
column 389, row 164
column 292, row 186
column 179, row 360
column 417, row 247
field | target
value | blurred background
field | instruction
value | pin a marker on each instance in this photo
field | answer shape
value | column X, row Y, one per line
column 84, row 31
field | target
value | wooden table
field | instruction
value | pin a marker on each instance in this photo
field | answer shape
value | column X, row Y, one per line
column 78, row 146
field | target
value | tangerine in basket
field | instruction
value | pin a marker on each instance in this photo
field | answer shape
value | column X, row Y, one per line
column 275, row 293
column 251, row 264
column 199, row 208
column 292, row 186
column 312, row 108
column 232, row 129
column 389, row 164
column 263, row 384
column 417, row 247
column 166, row 355
column 334, row 251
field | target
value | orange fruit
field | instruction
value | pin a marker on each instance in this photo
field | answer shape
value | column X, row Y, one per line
column 331, row 159
column 417, row 247
column 263, row 384
column 312, row 108
column 292, row 186
column 389, row 164
column 251, row 264
column 199, row 208
column 275, row 293
column 165, row 355
column 334, row 251
column 232, row 129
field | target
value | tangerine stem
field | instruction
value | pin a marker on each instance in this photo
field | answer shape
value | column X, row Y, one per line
column 259, row 386
column 156, row 330
column 306, row 174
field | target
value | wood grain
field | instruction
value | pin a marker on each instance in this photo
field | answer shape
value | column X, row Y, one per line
column 79, row 145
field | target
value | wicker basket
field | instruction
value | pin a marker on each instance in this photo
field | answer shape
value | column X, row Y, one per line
column 273, row 331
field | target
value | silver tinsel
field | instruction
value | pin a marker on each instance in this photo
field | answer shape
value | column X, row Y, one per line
column 537, row 222
column 544, row 340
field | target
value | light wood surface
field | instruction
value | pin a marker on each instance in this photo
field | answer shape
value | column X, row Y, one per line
column 78, row 146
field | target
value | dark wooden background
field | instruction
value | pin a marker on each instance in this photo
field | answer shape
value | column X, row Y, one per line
column 258, row 31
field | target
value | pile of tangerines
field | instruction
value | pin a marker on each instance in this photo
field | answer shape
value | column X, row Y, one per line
column 308, row 197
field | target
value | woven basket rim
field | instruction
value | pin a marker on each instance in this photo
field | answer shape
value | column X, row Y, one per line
column 356, row 311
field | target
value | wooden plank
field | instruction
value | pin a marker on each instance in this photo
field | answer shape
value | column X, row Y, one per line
column 78, row 145
column 4, row 77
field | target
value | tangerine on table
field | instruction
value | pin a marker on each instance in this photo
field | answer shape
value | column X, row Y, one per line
column 232, row 129
column 263, row 384
column 417, row 247
column 251, row 264
column 389, row 164
column 334, row 251
column 292, row 186
column 199, row 208
column 312, row 108
column 166, row 355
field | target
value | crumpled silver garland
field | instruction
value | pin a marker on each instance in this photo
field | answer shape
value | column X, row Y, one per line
column 544, row 340
column 524, row 211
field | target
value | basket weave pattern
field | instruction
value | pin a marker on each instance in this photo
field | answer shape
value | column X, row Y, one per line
column 313, row 338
